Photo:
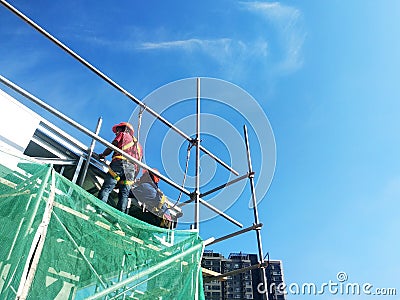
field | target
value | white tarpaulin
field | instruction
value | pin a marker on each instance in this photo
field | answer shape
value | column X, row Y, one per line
column 17, row 126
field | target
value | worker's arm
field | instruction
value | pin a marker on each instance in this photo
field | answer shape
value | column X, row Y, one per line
column 108, row 151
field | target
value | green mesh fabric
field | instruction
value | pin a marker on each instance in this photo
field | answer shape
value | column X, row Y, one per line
column 90, row 250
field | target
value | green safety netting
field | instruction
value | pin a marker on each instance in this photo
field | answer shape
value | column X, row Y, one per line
column 60, row 242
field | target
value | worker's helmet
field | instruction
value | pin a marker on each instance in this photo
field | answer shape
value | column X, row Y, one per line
column 153, row 176
column 128, row 127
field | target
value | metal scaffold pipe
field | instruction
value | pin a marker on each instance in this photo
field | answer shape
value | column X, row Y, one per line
column 221, row 213
column 111, row 82
column 109, row 145
column 214, row 241
column 197, row 143
column 224, row 185
column 255, row 210
column 88, row 132
column 90, row 153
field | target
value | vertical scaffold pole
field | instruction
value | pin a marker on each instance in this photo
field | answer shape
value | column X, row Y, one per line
column 35, row 251
column 90, row 152
column 197, row 140
column 197, row 188
column 255, row 210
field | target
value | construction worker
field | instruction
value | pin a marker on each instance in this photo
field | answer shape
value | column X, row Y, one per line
column 146, row 189
column 121, row 171
column 152, row 199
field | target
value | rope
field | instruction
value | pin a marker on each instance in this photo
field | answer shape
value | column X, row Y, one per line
column 191, row 144
column 184, row 176
column 141, row 110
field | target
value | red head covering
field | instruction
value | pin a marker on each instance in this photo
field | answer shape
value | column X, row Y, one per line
column 127, row 126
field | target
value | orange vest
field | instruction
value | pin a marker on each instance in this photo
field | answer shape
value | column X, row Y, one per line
column 129, row 144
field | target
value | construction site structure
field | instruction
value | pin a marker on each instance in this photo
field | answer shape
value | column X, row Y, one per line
column 244, row 284
column 61, row 242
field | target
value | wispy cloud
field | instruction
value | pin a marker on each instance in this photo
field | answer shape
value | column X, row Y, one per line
column 224, row 45
column 273, row 10
column 190, row 44
column 288, row 21
column 221, row 50
column 235, row 54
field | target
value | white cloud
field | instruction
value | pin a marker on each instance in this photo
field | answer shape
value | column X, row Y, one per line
column 235, row 55
column 189, row 44
column 273, row 10
column 288, row 21
column 221, row 50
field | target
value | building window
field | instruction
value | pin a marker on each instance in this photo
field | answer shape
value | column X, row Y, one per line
column 276, row 273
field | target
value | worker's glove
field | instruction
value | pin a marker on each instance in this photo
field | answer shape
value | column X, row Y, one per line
column 160, row 193
column 101, row 156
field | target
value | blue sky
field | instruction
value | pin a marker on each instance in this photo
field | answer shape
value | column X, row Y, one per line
column 325, row 73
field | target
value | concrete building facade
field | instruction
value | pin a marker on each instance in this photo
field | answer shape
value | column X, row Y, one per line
column 244, row 285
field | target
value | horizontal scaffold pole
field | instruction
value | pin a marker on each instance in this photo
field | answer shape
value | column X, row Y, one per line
column 238, row 271
column 88, row 132
column 221, row 213
column 224, row 185
column 217, row 188
column 111, row 82
column 223, row 238
column 109, row 145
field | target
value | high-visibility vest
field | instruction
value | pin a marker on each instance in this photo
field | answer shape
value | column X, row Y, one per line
column 132, row 148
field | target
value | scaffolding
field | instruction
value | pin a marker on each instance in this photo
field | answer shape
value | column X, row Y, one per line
column 119, row 286
column 61, row 242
